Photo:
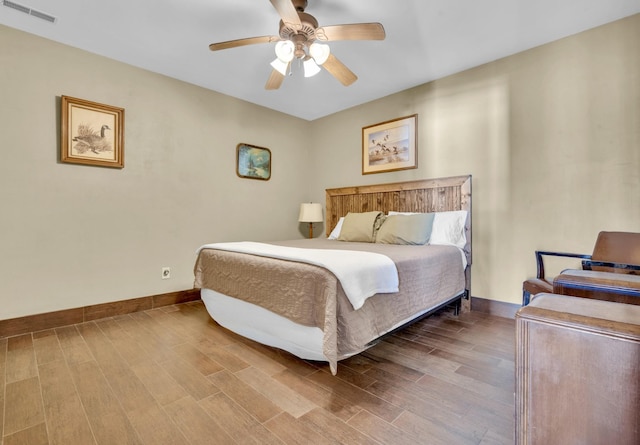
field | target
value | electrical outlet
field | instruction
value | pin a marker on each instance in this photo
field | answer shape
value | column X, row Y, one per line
column 166, row 273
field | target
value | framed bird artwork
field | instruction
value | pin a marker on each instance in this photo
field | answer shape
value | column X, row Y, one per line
column 92, row 133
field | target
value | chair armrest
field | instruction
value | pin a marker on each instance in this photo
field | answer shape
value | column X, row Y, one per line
column 541, row 253
column 588, row 264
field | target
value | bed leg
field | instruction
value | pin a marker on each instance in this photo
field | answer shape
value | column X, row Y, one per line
column 457, row 306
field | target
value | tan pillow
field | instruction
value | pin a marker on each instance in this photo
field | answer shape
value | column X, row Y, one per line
column 406, row 229
column 361, row 227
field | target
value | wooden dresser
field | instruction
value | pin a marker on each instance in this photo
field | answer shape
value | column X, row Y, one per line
column 577, row 372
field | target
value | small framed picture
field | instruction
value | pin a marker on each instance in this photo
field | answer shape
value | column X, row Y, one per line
column 390, row 146
column 253, row 162
column 92, row 133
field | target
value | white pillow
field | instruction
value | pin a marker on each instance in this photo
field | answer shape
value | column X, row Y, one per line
column 335, row 233
column 448, row 228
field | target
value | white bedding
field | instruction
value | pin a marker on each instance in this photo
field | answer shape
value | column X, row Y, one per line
column 361, row 274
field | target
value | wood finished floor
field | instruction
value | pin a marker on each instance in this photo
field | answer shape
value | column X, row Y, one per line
column 173, row 376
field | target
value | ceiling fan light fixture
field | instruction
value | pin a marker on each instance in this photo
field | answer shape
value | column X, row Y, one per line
column 285, row 50
column 311, row 68
column 320, row 52
column 280, row 66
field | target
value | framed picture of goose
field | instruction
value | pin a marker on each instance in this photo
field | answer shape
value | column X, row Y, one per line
column 92, row 133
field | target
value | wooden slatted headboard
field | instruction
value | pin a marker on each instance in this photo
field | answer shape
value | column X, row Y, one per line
column 427, row 195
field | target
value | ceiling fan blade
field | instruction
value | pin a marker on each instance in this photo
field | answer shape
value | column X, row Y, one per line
column 275, row 80
column 242, row 42
column 287, row 12
column 339, row 70
column 355, row 31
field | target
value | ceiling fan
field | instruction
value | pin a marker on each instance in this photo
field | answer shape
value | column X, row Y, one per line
column 302, row 39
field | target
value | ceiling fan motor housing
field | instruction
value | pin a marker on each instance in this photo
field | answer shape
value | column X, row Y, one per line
column 308, row 28
column 301, row 36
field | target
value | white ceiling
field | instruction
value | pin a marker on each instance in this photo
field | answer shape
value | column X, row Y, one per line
column 426, row 40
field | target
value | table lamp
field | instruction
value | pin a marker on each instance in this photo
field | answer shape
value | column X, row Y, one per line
column 310, row 212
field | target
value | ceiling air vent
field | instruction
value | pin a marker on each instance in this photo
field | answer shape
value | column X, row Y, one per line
column 33, row 12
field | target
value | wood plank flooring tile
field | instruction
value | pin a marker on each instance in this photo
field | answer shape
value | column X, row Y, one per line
column 457, row 356
column 108, row 421
column 179, row 327
column 435, row 407
column 440, row 390
column 287, row 399
column 322, row 397
column 102, row 350
column 473, row 386
column 164, row 388
column 413, row 358
column 35, row 435
column 127, row 346
column 155, row 427
column 403, row 391
column 47, row 347
column 401, row 371
column 73, row 346
column 284, row 358
column 237, row 422
column 376, row 405
column 255, row 359
column 169, row 337
column 361, row 380
column 196, row 425
column 330, row 426
column 204, row 331
column 128, row 388
column 359, row 363
column 219, row 354
column 504, row 379
column 433, row 432
column 197, row 359
column 25, row 401
column 21, row 358
column 194, row 383
column 67, row 422
column 431, row 337
column 244, row 395
column 382, row 431
column 293, row 432
column 494, row 352
column 153, row 346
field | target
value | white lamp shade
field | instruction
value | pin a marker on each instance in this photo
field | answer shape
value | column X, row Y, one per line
column 311, row 68
column 285, row 50
column 320, row 52
column 310, row 212
column 280, row 66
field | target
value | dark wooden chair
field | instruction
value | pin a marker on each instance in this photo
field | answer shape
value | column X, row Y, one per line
column 614, row 252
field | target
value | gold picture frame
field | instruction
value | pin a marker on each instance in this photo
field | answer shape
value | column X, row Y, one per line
column 253, row 162
column 92, row 133
column 390, row 146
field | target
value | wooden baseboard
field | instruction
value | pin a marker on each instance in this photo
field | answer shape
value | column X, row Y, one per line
column 49, row 320
column 493, row 307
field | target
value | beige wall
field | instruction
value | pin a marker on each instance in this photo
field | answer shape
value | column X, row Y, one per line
column 75, row 235
column 551, row 137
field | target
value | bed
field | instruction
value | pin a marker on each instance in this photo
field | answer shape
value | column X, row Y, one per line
column 265, row 292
